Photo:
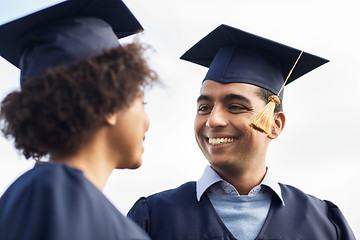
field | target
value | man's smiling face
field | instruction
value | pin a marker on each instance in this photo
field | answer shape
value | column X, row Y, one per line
column 222, row 126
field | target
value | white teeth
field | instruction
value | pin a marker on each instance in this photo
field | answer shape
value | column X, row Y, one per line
column 218, row 141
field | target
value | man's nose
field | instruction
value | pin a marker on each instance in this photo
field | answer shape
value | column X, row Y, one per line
column 217, row 118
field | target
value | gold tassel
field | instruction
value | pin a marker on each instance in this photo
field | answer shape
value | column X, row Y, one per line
column 264, row 119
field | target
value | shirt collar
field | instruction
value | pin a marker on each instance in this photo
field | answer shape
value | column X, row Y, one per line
column 210, row 177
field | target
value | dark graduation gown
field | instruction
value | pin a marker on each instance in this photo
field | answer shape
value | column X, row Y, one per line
column 176, row 214
column 57, row 202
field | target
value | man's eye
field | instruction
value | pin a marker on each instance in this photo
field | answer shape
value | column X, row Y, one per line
column 204, row 109
column 237, row 108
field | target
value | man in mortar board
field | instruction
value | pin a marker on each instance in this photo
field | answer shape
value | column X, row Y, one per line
column 237, row 197
column 81, row 95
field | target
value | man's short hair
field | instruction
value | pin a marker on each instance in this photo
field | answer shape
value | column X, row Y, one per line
column 264, row 94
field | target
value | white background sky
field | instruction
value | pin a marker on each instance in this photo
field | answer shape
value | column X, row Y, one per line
column 318, row 150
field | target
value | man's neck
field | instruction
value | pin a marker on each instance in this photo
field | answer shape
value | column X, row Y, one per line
column 243, row 180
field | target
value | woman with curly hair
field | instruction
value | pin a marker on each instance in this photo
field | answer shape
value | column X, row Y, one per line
column 81, row 106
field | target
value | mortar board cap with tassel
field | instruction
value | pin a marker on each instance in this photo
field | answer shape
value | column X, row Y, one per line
column 236, row 56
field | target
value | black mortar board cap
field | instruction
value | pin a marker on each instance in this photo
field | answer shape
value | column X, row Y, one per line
column 113, row 12
column 230, row 55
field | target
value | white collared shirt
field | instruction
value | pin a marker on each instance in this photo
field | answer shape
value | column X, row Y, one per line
column 243, row 215
column 210, row 177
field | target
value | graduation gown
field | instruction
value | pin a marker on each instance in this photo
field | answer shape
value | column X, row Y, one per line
column 176, row 214
column 57, row 202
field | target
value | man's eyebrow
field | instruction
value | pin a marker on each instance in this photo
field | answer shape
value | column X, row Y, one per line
column 227, row 97
column 237, row 97
column 203, row 98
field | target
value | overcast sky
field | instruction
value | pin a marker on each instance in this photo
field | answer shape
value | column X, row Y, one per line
column 318, row 150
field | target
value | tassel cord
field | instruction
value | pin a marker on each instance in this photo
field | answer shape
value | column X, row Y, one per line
column 288, row 76
column 263, row 120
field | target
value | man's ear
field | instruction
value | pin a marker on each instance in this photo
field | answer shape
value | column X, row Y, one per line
column 278, row 126
column 111, row 119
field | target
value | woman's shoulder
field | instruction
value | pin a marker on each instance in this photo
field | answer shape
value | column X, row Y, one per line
column 42, row 180
column 53, row 197
column 44, row 175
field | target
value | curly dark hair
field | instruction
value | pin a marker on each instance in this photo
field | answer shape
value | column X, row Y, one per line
column 56, row 111
column 264, row 94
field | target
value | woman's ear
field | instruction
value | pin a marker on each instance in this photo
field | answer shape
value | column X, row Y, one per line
column 111, row 119
column 278, row 126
